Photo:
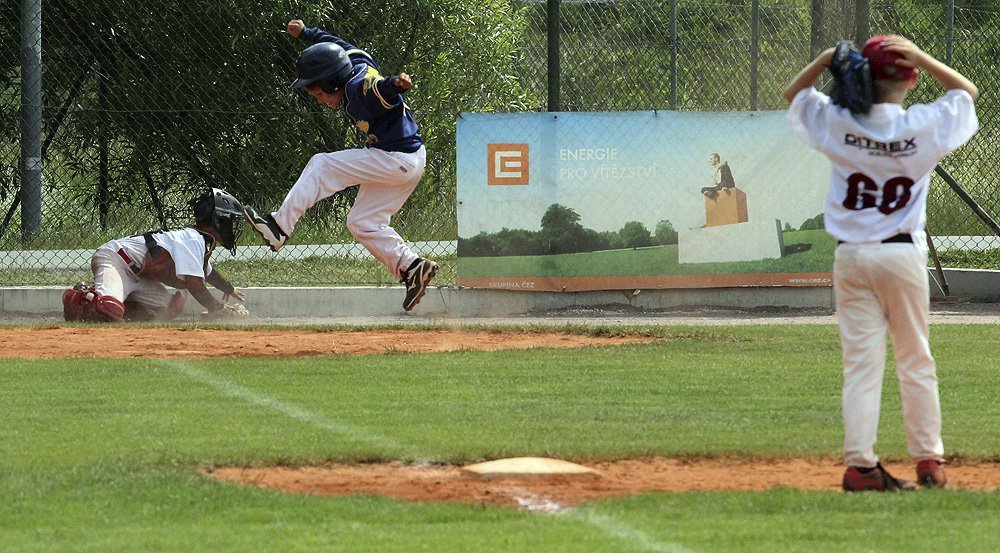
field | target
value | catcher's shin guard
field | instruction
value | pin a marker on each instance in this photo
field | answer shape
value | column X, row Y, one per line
column 87, row 304
column 75, row 301
column 106, row 309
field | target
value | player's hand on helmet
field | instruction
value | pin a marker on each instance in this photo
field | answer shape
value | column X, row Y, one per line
column 912, row 55
column 234, row 294
column 295, row 27
column 403, row 81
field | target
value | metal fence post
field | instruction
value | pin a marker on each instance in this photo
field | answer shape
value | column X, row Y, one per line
column 552, row 21
column 862, row 22
column 950, row 26
column 815, row 28
column 673, row 54
column 754, row 51
column 31, row 118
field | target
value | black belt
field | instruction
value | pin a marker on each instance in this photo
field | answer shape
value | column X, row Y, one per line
column 907, row 238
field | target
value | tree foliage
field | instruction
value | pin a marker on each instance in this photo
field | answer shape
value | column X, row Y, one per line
column 665, row 233
column 149, row 99
column 635, row 235
column 813, row 223
column 562, row 232
column 181, row 94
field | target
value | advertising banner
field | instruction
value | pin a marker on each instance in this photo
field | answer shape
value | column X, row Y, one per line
column 638, row 200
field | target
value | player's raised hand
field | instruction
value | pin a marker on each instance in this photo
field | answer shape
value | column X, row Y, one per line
column 403, row 81
column 295, row 27
column 912, row 55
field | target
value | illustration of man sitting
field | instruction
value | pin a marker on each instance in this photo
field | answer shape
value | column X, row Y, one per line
column 722, row 176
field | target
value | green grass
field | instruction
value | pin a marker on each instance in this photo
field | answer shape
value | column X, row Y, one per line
column 971, row 259
column 102, row 455
column 652, row 261
column 261, row 271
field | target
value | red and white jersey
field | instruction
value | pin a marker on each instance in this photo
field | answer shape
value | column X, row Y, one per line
column 186, row 246
column 882, row 160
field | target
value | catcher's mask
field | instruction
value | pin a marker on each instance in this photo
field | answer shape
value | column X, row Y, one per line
column 324, row 63
column 219, row 209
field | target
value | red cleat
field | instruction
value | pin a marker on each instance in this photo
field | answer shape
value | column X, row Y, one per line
column 930, row 474
column 875, row 479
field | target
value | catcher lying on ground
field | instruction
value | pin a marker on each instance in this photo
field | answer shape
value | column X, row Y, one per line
column 131, row 274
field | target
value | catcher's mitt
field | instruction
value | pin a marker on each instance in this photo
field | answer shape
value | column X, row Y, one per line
column 852, row 78
column 229, row 311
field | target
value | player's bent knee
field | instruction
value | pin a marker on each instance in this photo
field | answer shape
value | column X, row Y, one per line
column 317, row 161
column 360, row 227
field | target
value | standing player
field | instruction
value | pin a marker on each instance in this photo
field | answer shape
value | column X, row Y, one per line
column 386, row 170
column 875, row 209
column 130, row 273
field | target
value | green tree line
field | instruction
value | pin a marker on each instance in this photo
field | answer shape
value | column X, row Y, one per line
column 562, row 232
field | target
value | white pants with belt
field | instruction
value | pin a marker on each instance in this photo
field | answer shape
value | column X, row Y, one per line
column 113, row 277
column 879, row 288
column 385, row 180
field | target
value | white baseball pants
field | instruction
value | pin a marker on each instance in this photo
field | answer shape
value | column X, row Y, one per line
column 113, row 277
column 385, row 180
column 880, row 287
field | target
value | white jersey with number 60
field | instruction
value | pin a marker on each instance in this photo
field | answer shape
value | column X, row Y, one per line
column 881, row 161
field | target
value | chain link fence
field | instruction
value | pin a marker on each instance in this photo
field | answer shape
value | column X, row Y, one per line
column 116, row 112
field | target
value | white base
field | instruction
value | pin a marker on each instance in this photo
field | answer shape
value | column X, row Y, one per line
column 527, row 466
column 736, row 242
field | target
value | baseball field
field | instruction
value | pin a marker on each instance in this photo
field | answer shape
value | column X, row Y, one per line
column 705, row 438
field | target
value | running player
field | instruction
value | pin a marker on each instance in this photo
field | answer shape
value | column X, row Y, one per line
column 876, row 209
column 336, row 73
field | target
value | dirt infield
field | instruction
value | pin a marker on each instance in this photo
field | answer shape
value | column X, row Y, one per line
column 64, row 342
column 552, row 493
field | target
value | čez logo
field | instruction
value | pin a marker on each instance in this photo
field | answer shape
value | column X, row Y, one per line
column 507, row 164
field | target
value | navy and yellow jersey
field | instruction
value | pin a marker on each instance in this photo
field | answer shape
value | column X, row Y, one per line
column 373, row 103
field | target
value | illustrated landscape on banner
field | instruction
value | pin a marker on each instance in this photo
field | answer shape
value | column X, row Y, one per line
column 638, row 200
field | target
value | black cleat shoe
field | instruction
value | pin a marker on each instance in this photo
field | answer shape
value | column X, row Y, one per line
column 416, row 278
column 266, row 227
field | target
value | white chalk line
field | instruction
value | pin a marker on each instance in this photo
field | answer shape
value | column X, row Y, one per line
column 526, row 499
column 637, row 539
column 333, row 426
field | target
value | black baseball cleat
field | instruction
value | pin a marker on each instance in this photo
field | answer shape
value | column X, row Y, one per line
column 876, row 479
column 415, row 278
column 266, row 227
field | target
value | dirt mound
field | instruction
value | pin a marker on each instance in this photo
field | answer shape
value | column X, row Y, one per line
column 161, row 342
column 552, row 493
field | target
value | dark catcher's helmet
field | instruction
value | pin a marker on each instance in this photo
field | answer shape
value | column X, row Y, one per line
column 324, row 63
column 219, row 209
